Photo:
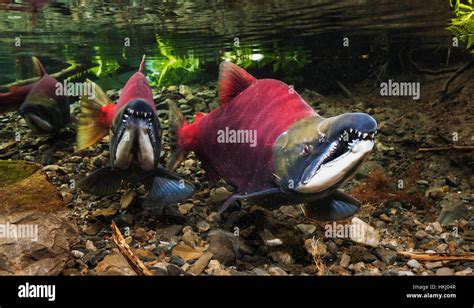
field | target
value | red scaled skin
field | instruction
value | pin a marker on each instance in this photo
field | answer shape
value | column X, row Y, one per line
column 135, row 88
column 267, row 106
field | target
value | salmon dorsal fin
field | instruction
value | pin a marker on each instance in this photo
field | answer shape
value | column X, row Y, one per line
column 38, row 67
column 232, row 81
column 142, row 65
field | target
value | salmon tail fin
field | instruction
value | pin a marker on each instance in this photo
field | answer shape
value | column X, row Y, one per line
column 38, row 67
column 181, row 135
column 232, row 81
column 141, row 69
column 95, row 118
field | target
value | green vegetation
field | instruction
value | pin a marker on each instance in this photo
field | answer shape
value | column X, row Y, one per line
column 12, row 172
column 170, row 68
column 462, row 25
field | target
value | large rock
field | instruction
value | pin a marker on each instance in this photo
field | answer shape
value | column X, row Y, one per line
column 36, row 230
column 114, row 265
column 453, row 209
column 227, row 246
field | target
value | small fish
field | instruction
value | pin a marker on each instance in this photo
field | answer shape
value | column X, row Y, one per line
column 44, row 111
column 135, row 142
column 298, row 157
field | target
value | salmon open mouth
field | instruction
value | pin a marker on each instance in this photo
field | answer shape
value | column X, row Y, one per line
column 137, row 137
column 338, row 162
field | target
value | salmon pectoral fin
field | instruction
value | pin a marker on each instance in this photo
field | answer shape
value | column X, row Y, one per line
column 255, row 195
column 337, row 206
column 103, row 182
column 176, row 122
column 167, row 188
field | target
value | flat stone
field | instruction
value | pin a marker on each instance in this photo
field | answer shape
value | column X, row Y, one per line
column 113, row 265
column 107, row 213
column 289, row 210
column 276, row 271
column 345, row 260
column 413, row 263
column 215, row 269
column 387, row 256
column 77, row 254
column 186, row 253
column 32, row 201
column 203, row 226
column 367, row 234
column 432, row 265
column 199, row 266
column 306, row 228
column 127, row 199
column 145, row 255
column 185, row 208
column 444, row 271
column 466, row 272
column 168, row 232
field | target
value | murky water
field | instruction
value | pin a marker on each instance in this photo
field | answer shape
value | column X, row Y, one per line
column 282, row 34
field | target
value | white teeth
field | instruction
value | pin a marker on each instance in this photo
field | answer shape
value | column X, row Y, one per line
column 373, row 135
column 364, row 135
column 350, row 130
column 359, row 134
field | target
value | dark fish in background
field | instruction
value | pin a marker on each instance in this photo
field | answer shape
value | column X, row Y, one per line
column 44, row 111
column 135, row 142
column 298, row 157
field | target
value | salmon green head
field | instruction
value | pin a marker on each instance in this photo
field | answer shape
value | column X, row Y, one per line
column 316, row 155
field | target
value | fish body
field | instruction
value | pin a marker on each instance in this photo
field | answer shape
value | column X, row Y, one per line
column 43, row 110
column 266, row 109
column 135, row 142
column 12, row 100
column 298, row 156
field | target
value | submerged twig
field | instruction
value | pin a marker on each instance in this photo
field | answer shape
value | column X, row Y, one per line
column 429, row 71
column 449, row 148
column 344, row 89
column 437, row 256
column 71, row 70
column 135, row 263
column 444, row 93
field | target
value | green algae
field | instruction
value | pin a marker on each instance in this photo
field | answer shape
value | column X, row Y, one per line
column 14, row 171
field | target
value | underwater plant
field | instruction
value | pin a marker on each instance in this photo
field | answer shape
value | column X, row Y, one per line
column 172, row 68
column 281, row 59
column 462, row 25
column 377, row 190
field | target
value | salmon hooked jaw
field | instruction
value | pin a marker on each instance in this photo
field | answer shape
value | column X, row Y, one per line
column 136, row 137
column 338, row 162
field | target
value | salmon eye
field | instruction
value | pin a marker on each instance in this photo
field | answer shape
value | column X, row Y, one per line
column 306, row 149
